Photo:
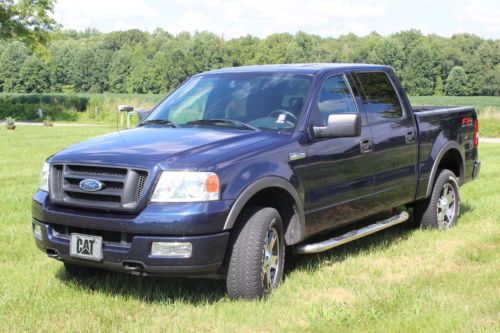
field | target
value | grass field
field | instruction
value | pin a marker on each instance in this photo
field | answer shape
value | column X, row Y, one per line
column 400, row 280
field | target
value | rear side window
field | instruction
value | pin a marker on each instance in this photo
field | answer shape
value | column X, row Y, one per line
column 382, row 101
column 334, row 98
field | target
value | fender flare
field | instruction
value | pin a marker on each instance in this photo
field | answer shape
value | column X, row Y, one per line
column 259, row 185
column 446, row 147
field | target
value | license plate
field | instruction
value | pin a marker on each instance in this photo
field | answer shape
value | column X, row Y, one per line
column 87, row 247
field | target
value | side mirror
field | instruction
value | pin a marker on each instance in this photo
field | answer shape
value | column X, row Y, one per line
column 143, row 114
column 340, row 125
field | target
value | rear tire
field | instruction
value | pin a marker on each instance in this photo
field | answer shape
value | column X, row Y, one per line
column 441, row 209
column 80, row 271
column 258, row 254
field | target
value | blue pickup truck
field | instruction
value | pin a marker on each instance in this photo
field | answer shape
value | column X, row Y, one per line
column 239, row 166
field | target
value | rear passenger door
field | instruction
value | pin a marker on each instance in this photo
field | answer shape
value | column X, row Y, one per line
column 394, row 156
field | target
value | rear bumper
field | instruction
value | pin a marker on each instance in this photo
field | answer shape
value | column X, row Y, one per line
column 475, row 169
column 134, row 257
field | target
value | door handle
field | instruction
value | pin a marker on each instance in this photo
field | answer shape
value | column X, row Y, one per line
column 366, row 146
column 410, row 137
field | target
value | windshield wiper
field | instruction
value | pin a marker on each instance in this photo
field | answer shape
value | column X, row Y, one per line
column 158, row 122
column 222, row 123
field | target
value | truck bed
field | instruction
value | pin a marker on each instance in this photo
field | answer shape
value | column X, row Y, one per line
column 437, row 126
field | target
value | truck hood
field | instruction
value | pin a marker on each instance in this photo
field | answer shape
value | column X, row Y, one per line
column 147, row 147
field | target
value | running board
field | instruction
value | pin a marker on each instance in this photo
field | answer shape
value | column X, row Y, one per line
column 352, row 235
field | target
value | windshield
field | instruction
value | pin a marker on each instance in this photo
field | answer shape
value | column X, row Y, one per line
column 257, row 100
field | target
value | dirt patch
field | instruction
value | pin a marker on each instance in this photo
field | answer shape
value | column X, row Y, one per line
column 448, row 246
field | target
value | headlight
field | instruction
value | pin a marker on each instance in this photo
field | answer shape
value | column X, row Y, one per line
column 186, row 186
column 44, row 177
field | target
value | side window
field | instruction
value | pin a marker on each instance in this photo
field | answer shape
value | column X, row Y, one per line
column 381, row 99
column 334, row 97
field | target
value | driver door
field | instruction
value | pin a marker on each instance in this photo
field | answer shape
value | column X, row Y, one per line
column 336, row 175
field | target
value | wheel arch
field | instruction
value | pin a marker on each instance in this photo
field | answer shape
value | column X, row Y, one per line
column 449, row 157
column 274, row 192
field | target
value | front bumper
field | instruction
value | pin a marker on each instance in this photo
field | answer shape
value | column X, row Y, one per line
column 135, row 258
column 127, row 239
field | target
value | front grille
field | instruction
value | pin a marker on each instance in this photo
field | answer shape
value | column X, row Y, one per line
column 123, row 188
column 107, row 236
column 140, row 186
column 96, row 171
column 93, row 197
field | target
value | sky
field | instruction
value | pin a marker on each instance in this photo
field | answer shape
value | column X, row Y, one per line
column 328, row 18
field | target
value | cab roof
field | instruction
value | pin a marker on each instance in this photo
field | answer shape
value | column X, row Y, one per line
column 312, row 68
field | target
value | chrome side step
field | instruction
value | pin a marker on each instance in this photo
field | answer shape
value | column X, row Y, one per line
column 352, row 235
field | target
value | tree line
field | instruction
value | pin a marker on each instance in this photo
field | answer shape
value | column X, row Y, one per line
column 134, row 61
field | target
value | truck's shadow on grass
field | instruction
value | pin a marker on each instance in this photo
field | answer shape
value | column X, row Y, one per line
column 205, row 291
column 148, row 289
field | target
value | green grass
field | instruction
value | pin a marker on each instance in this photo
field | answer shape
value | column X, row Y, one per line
column 402, row 280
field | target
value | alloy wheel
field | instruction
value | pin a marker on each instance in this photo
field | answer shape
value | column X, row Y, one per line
column 446, row 206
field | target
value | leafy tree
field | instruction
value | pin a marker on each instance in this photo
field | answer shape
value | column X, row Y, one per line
column 119, row 70
column 89, row 68
column 62, row 64
column 439, row 87
column 34, row 76
column 475, row 75
column 171, row 65
column 11, row 61
column 307, row 44
column 241, row 51
column 278, row 49
column 418, row 74
column 492, row 81
column 409, row 39
column 388, row 51
column 157, row 62
column 26, row 20
column 456, row 83
column 115, row 40
column 141, row 75
column 206, row 51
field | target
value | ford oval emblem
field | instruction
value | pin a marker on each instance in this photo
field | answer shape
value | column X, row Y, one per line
column 91, row 185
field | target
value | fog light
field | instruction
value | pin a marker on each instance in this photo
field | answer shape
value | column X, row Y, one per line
column 37, row 231
column 171, row 249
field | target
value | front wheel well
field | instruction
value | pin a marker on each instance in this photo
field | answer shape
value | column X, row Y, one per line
column 279, row 199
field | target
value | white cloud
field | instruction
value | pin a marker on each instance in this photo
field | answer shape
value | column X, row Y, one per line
column 485, row 15
column 93, row 13
column 234, row 18
column 262, row 17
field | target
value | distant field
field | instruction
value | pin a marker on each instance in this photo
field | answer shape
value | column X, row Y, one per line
column 82, row 108
column 480, row 102
column 101, row 108
column 400, row 280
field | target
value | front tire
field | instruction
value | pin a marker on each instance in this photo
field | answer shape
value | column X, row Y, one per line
column 258, row 254
column 441, row 209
